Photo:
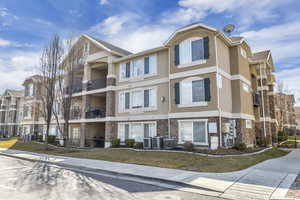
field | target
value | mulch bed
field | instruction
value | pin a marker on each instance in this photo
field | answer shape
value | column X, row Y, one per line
column 294, row 191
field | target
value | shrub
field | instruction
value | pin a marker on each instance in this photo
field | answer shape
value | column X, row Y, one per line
column 188, row 146
column 51, row 139
column 115, row 143
column 130, row 143
column 138, row 145
column 240, row 146
column 282, row 136
column 261, row 142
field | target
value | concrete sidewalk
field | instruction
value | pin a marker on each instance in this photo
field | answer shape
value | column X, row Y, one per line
column 268, row 180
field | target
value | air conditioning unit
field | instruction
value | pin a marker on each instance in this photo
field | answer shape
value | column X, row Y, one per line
column 157, row 142
column 147, row 143
column 170, row 143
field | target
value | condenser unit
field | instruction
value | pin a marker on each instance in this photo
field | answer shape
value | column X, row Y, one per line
column 147, row 143
column 157, row 142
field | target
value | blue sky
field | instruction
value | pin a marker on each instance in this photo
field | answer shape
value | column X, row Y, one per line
column 27, row 25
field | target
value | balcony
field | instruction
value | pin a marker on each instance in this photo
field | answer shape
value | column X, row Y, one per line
column 75, row 113
column 95, row 113
column 96, row 84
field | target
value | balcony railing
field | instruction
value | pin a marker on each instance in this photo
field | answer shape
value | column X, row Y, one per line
column 75, row 113
column 96, row 84
column 95, row 113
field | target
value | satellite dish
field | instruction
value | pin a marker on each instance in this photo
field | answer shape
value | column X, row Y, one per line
column 228, row 29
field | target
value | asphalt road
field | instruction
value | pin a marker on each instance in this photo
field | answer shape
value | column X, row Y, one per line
column 24, row 180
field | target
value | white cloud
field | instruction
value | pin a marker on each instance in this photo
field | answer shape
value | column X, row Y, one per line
column 114, row 24
column 15, row 67
column 246, row 11
column 7, row 43
column 4, row 43
column 142, row 38
column 282, row 40
column 103, row 2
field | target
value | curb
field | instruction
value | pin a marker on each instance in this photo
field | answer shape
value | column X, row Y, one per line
column 112, row 173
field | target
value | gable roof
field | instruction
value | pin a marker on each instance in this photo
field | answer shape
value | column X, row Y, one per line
column 107, row 46
column 34, row 78
column 262, row 55
column 14, row 93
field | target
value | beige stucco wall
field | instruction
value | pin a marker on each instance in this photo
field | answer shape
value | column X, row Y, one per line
column 162, row 67
column 223, row 56
column 226, row 95
column 162, row 107
column 197, row 32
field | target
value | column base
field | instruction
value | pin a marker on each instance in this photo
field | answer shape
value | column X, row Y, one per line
column 107, row 145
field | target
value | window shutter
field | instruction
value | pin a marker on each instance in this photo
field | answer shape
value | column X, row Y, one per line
column 177, row 93
column 128, row 70
column 177, row 61
column 207, row 89
column 146, row 98
column 206, row 47
column 146, row 65
column 127, row 100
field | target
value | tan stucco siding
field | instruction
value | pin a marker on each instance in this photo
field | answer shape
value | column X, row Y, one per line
column 223, row 56
column 226, row 95
column 162, row 58
column 162, row 107
column 193, row 33
column 242, row 101
column 212, row 104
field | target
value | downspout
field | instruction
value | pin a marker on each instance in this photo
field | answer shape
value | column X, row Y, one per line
column 263, row 102
column 218, row 92
column 169, row 98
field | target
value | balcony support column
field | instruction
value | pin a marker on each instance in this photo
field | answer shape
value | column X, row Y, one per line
column 87, row 76
column 83, row 133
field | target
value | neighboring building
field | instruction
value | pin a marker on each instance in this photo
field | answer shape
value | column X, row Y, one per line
column 197, row 87
column 10, row 113
column 285, row 113
column 297, row 111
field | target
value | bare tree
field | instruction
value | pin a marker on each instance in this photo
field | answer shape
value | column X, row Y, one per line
column 49, row 67
column 67, row 77
column 280, row 104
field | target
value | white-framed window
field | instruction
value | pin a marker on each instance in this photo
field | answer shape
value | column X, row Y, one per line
column 27, row 111
column 243, row 53
column 194, row 131
column 191, row 50
column 139, row 68
column 246, row 87
column 86, row 49
column 141, row 99
column 136, row 130
column 192, row 92
column 29, row 90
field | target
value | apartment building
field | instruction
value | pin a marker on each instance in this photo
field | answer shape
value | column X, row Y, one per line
column 200, row 86
column 285, row 113
column 10, row 113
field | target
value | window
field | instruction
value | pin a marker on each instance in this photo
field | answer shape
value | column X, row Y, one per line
column 139, row 68
column 137, row 99
column 194, row 131
column 86, row 49
column 192, row 50
column 243, row 53
column 192, row 91
column 27, row 111
column 29, row 90
column 136, row 130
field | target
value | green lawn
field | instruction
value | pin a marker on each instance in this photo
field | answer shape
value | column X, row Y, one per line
column 160, row 159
